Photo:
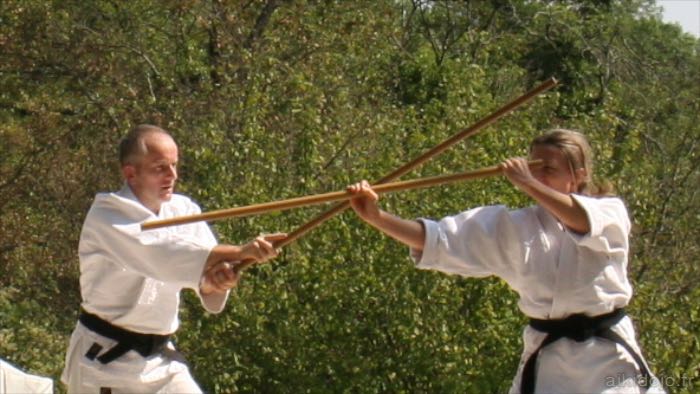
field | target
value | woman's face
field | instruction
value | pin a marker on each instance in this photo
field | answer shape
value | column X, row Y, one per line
column 556, row 172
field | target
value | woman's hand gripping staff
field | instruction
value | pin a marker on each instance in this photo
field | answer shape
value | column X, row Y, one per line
column 220, row 276
column 550, row 185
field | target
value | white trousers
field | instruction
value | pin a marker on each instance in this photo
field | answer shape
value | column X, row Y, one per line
column 131, row 373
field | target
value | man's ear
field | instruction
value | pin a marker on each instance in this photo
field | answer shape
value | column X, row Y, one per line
column 128, row 171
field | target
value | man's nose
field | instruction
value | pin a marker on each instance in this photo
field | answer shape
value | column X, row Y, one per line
column 172, row 172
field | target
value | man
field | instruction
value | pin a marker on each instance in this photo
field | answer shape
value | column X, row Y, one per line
column 130, row 280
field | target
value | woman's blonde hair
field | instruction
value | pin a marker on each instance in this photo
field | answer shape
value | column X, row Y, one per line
column 578, row 152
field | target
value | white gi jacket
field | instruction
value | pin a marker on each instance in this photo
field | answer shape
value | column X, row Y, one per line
column 556, row 273
column 132, row 279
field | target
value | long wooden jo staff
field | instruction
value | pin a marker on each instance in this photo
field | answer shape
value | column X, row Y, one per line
column 297, row 202
column 468, row 132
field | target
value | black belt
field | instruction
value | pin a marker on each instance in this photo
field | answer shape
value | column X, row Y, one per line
column 144, row 344
column 579, row 328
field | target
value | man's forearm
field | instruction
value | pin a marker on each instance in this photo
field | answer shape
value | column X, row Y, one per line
column 221, row 253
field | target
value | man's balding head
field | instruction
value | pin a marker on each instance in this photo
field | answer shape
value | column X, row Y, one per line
column 133, row 146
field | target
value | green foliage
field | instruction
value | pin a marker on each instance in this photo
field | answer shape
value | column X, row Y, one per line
column 277, row 99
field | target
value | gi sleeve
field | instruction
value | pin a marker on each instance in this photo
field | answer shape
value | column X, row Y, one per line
column 609, row 221
column 477, row 243
column 160, row 254
column 215, row 302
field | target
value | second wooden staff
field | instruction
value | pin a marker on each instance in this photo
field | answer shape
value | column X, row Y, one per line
column 327, row 197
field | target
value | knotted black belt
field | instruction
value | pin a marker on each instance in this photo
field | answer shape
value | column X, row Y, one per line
column 144, row 344
column 578, row 328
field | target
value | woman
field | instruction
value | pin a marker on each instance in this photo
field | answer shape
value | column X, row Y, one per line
column 566, row 257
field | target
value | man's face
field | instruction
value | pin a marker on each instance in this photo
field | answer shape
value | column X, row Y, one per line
column 152, row 178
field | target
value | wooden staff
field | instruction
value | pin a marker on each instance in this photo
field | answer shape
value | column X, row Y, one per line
column 327, row 197
column 468, row 132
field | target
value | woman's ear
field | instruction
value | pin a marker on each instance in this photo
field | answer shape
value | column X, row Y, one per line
column 581, row 175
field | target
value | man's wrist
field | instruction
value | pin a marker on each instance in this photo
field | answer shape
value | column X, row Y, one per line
column 204, row 288
column 225, row 252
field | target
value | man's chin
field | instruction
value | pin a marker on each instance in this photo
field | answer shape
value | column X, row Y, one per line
column 165, row 197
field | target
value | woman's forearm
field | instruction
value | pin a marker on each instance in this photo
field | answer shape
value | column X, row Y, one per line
column 561, row 205
column 408, row 232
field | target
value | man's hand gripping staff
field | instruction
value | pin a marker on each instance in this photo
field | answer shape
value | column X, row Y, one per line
column 220, row 274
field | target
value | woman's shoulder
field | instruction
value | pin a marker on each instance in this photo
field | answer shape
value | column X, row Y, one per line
column 600, row 202
column 604, row 212
column 496, row 215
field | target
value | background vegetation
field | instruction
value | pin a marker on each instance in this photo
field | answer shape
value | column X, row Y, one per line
column 273, row 99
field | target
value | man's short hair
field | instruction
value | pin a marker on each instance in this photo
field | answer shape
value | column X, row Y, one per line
column 133, row 146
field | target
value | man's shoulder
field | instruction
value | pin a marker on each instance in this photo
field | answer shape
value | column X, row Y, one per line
column 180, row 204
column 104, row 199
column 111, row 203
column 112, row 207
column 111, row 199
column 181, row 199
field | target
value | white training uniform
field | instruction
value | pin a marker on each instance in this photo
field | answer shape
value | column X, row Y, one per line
column 132, row 279
column 556, row 273
column 15, row 381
